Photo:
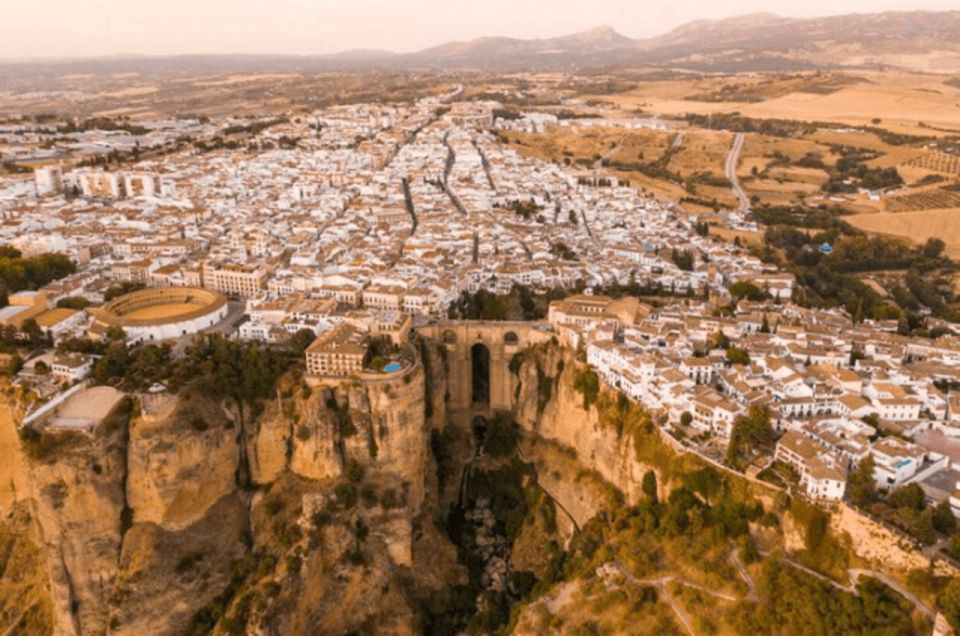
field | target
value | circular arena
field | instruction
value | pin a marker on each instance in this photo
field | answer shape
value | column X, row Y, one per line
column 162, row 313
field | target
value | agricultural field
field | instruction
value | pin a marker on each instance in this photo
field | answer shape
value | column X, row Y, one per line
column 932, row 199
column 936, row 161
column 906, row 103
column 915, row 226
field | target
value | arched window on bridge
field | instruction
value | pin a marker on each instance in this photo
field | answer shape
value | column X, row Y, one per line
column 510, row 338
column 480, row 373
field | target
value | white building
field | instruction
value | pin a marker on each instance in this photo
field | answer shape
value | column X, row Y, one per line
column 895, row 461
column 823, row 475
column 49, row 180
column 71, row 367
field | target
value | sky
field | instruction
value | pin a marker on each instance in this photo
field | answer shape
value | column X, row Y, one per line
column 81, row 28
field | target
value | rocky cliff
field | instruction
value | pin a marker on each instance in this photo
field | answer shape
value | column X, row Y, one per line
column 147, row 524
column 364, row 506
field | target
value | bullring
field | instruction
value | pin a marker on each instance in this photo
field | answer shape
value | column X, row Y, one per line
column 161, row 313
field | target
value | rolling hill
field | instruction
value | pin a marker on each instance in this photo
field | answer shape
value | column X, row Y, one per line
column 916, row 40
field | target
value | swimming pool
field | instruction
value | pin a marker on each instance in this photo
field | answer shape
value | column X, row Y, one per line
column 392, row 367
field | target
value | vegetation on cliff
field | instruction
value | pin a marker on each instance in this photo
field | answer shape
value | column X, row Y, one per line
column 703, row 549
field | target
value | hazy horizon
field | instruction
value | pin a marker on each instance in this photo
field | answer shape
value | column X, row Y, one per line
column 96, row 28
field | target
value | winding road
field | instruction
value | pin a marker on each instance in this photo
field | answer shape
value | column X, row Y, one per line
column 743, row 201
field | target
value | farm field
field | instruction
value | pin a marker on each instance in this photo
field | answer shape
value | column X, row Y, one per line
column 900, row 101
column 915, row 226
column 931, row 199
column 937, row 162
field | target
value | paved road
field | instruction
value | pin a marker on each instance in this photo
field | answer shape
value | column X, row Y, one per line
column 743, row 201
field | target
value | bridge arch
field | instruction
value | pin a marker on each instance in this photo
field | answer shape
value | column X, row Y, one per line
column 477, row 357
column 480, row 374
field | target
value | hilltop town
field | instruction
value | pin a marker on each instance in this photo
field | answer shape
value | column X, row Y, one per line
column 371, row 219
column 343, row 233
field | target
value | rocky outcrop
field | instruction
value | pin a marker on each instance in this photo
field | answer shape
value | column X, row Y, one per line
column 321, row 510
column 181, row 465
column 26, row 605
column 598, row 436
column 164, row 576
column 377, row 424
column 146, row 525
column 77, row 485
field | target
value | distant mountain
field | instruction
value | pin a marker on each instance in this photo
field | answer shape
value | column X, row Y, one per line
column 759, row 41
column 922, row 40
column 501, row 52
column 756, row 40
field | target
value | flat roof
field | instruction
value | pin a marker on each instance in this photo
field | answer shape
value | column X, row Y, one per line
column 12, row 310
column 55, row 316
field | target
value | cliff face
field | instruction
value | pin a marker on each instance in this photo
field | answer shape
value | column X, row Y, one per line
column 26, row 602
column 320, row 510
column 147, row 526
column 77, row 489
column 26, row 605
column 179, row 466
column 598, row 436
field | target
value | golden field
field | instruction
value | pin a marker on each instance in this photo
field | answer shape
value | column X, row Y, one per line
column 915, row 226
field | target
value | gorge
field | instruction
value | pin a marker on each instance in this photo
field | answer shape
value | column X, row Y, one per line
column 478, row 489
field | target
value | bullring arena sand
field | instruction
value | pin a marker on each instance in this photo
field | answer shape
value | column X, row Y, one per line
column 161, row 312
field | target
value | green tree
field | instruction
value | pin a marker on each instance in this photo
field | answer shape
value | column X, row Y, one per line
column 650, row 486
column 301, row 340
column 943, row 520
column 736, row 355
column 745, row 289
column 112, row 365
column 14, row 365
column 933, row 248
column 683, row 259
column 31, row 331
column 752, row 433
column 719, row 340
column 121, row 289
column 949, row 603
column 909, row 496
column 861, row 485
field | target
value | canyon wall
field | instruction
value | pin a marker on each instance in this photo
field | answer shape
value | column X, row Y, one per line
column 144, row 521
column 323, row 507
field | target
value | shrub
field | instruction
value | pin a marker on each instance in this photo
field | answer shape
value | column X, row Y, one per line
column 354, row 470
column 587, row 383
column 501, row 436
column 273, row 506
column 345, row 495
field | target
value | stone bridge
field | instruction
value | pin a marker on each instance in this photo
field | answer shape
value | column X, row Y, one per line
column 479, row 381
